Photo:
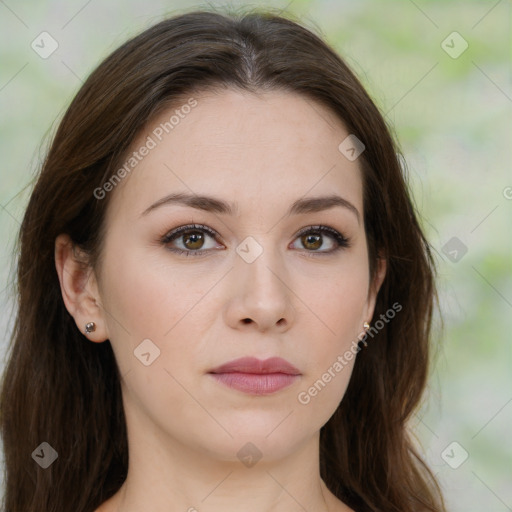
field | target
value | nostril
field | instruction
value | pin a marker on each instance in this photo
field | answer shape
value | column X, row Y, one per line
column 246, row 320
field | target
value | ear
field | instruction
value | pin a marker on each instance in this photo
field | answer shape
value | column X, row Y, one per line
column 374, row 287
column 79, row 288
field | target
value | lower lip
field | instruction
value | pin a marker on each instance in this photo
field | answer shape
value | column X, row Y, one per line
column 256, row 384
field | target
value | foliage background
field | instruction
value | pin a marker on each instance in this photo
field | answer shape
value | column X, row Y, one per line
column 452, row 118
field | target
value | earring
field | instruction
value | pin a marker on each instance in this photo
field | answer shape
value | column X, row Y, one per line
column 90, row 327
column 366, row 326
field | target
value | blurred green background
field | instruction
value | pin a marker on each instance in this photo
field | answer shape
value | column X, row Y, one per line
column 450, row 107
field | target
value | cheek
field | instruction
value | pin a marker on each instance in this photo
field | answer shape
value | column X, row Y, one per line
column 150, row 299
column 333, row 328
column 328, row 373
column 150, row 296
column 336, row 298
column 158, row 303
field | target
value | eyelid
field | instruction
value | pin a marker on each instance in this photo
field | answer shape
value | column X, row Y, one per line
column 189, row 227
column 323, row 229
column 341, row 240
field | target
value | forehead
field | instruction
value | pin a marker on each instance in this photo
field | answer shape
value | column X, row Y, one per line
column 260, row 150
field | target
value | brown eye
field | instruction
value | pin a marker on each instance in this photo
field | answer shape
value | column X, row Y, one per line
column 312, row 242
column 320, row 240
column 193, row 240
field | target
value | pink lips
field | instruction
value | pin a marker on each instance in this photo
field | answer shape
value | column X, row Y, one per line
column 256, row 377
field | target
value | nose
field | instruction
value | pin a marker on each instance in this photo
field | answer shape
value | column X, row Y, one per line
column 261, row 296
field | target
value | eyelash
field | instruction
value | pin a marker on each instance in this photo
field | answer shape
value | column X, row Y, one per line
column 335, row 235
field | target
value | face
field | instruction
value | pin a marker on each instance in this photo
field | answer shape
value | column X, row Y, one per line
column 255, row 269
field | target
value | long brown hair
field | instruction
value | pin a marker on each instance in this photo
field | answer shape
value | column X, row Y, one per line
column 61, row 389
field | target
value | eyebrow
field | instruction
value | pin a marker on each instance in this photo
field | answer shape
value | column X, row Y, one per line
column 212, row 204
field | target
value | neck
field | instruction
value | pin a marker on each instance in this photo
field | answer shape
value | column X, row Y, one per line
column 180, row 478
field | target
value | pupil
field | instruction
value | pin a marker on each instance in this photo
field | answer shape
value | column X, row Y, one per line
column 194, row 240
column 312, row 241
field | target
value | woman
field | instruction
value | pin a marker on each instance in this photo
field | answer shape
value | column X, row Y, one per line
column 225, row 297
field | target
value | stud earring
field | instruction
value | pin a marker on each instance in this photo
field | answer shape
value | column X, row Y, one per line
column 90, row 327
column 366, row 326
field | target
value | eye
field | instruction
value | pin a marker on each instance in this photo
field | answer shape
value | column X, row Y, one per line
column 190, row 239
column 312, row 238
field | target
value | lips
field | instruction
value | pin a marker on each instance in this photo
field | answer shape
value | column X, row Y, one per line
column 255, row 377
column 257, row 366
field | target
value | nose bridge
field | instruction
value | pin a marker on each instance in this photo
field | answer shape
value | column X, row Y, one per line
column 260, row 266
column 260, row 273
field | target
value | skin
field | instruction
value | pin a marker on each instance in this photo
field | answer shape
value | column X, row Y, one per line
column 263, row 151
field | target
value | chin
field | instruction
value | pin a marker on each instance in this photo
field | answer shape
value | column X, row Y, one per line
column 264, row 440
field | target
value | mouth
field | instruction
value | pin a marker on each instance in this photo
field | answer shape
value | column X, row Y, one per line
column 256, row 377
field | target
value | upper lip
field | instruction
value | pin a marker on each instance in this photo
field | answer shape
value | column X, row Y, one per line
column 257, row 366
